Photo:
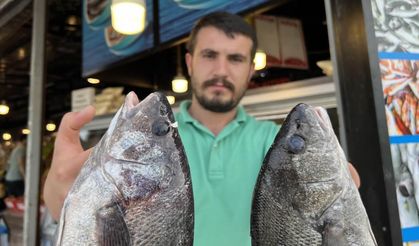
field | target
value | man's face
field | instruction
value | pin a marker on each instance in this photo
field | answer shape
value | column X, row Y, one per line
column 220, row 69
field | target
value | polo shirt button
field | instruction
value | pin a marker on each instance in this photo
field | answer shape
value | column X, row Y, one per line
column 215, row 145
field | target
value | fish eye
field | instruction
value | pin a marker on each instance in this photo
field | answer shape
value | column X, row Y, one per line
column 296, row 144
column 160, row 127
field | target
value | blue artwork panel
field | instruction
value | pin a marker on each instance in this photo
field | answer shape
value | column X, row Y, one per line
column 177, row 17
column 102, row 45
column 411, row 234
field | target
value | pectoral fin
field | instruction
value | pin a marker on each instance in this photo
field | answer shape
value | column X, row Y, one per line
column 333, row 234
column 111, row 227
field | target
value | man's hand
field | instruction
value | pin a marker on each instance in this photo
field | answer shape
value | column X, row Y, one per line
column 355, row 175
column 67, row 159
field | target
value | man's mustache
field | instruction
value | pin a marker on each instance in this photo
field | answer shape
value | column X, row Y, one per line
column 227, row 84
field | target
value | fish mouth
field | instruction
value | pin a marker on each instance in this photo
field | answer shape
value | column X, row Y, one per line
column 319, row 112
column 132, row 100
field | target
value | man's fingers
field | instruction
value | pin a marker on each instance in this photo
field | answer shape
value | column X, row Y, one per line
column 82, row 118
column 71, row 124
column 355, row 175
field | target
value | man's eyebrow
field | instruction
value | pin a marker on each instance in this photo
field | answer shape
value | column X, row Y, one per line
column 208, row 51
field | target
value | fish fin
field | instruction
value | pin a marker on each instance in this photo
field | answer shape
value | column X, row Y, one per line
column 111, row 227
column 333, row 234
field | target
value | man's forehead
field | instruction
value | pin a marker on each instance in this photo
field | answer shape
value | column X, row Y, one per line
column 215, row 39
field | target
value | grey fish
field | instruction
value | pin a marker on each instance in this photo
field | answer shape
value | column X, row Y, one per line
column 135, row 188
column 304, row 194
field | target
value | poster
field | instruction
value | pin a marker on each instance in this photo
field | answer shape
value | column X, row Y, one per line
column 282, row 39
column 396, row 26
column 177, row 17
column 102, row 45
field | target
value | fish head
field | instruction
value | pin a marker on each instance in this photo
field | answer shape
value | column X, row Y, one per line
column 308, row 147
column 143, row 132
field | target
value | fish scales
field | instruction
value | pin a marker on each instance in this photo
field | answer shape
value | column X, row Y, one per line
column 304, row 194
column 135, row 188
column 293, row 230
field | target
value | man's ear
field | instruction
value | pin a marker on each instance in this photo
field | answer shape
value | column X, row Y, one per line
column 188, row 60
column 252, row 68
column 251, row 71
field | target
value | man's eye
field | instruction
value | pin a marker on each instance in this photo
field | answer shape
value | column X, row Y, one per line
column 209, row 56
column 237, row 59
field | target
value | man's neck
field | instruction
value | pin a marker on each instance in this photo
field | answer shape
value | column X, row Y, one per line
column 214, row 121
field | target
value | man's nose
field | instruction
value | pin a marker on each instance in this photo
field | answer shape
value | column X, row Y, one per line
column 221, row 67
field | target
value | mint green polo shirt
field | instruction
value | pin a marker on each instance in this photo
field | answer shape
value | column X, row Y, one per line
column 224, row 170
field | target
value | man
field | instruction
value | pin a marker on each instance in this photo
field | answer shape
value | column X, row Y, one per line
column 224, row 145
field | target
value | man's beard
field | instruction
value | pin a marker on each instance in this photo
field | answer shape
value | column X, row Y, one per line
column 216, row 104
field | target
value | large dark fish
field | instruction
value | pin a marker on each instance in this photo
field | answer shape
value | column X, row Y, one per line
column 304, row 194
column 135, row 188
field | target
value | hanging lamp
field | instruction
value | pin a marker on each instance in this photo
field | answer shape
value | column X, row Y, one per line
column 26, row 131
column 50, row 126
column 4, row 108
column 7, row 136
column 179, row 82
column 128, row 16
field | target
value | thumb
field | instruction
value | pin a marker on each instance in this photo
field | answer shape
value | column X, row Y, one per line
column 71, row 124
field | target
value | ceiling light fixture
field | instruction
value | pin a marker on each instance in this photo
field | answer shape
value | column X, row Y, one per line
column 50, row 127
column 21, row 53
column 4, row 109
column 93, row 80
column 260, row 60
column 26, row 131
column 7, row 136
column 73, row 20
column 72, row 23
column 128, row 16
column 179, row 82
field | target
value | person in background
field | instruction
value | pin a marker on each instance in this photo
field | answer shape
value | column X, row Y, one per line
column 225, row 146
column 15, row 175
column 3, row 165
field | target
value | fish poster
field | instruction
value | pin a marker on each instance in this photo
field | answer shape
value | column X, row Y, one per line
column 396, row 27
column 102, row 45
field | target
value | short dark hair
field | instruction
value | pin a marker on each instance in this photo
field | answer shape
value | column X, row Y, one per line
column 230, row 24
